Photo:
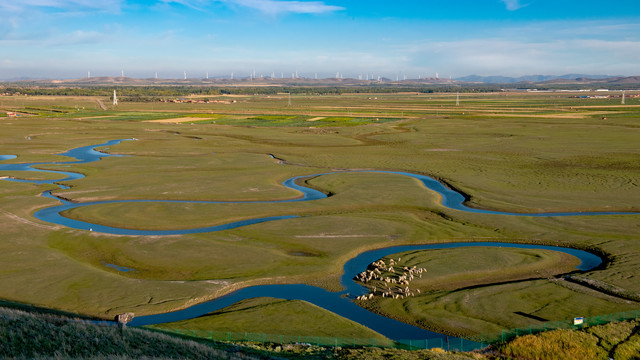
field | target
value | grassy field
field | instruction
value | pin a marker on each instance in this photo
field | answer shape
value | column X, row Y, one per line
column 505, row 151
column 277, row 317
column 483, row 290
column 490, row 309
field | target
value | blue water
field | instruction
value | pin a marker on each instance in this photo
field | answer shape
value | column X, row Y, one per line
column 119, row 268
column 82, row 154
column 337, row 302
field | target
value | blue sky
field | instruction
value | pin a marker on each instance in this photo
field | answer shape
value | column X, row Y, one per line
column 68, row 38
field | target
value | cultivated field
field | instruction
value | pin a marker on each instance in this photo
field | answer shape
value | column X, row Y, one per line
column 514, row 152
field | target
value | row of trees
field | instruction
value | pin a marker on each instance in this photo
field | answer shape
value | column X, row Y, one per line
column 141, row 92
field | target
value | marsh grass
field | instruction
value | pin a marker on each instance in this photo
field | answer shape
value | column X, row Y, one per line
column 548, row 158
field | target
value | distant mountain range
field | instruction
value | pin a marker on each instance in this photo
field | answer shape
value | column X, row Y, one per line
column 530, row 78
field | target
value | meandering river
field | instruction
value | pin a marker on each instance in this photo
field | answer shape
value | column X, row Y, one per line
column 338, row 302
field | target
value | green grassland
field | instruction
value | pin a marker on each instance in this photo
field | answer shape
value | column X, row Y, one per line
column 451, row 269
column 509, row 152
column 487, row 310
column 483, row 290
column 278, row 317
column 31, row 175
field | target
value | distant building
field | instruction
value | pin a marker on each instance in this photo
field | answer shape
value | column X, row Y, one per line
column 11, row 114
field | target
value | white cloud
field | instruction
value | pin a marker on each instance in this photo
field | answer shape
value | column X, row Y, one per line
column 194, row 4
column 277, row 7
column 13, row 6
column 271, row 7
column 512, row 4
column 512, row 57
column 33, row 13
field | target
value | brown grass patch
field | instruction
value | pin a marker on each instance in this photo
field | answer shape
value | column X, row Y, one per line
column 179, row 120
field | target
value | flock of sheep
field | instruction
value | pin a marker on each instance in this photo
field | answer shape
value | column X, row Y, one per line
column 396, row 281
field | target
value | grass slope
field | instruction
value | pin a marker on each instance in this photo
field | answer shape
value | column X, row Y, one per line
column 28, row 336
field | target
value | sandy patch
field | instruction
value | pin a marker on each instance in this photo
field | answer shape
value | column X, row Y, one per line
column 25, row 221
column 99, row 117
column 323, row 236
column 317, row 118
column 217, row 282
column 442, row 150
column 179, row 120
column 579, row 115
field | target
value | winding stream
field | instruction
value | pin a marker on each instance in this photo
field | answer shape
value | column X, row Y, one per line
column 340, row 302
column 450, row 198
column 337, row 302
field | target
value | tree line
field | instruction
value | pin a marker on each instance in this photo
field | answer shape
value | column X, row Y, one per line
column 159, row 92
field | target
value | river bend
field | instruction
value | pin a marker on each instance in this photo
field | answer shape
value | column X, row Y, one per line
column 338, row 302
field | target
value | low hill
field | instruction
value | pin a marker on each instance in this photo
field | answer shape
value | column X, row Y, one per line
column 48, row 335
column 38, row 336
column 498, row 79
